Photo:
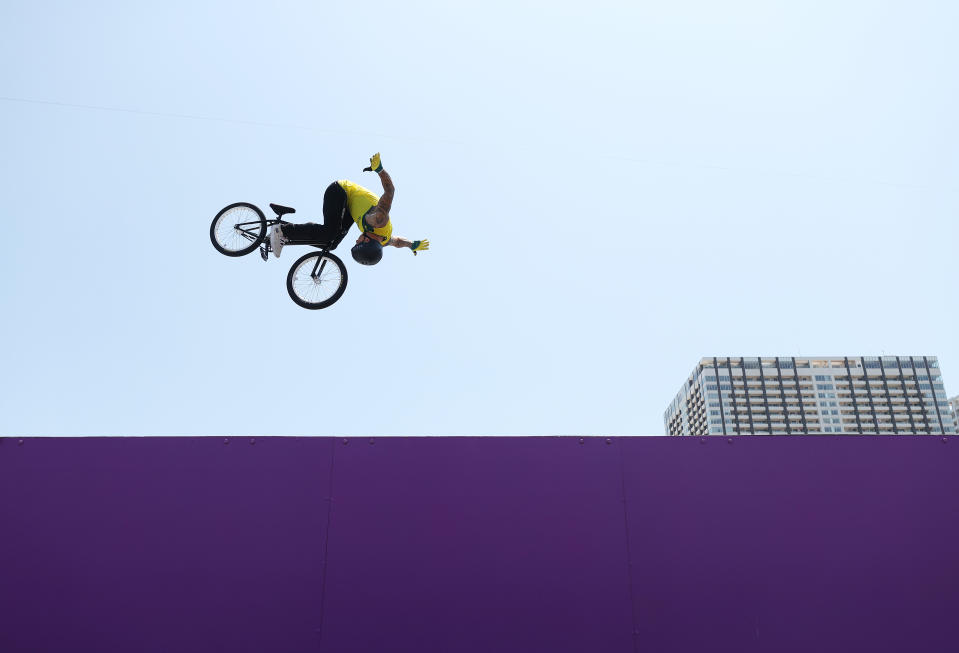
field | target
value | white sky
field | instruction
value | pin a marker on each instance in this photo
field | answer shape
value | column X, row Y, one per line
column 612, row 190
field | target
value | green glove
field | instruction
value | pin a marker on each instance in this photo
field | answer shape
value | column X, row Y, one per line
column 375, row 165
column 420, row 246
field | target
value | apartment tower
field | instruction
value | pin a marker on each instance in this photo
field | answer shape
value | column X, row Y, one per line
column 841, row 394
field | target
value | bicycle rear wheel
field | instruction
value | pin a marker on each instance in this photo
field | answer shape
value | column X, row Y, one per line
column 316, row 280
column 238, row 229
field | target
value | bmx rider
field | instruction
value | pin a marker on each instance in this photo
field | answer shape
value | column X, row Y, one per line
column 346, row 202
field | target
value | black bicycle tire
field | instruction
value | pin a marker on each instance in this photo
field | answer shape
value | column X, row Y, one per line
column 256, row 243
column 326, row 302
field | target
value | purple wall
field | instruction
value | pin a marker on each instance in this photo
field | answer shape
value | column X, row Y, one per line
column 479, row 544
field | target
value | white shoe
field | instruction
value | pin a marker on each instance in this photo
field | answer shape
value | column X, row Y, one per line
column 277, row 241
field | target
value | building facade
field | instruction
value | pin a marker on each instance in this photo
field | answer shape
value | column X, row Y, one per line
column 954, row 402
column 822, row 395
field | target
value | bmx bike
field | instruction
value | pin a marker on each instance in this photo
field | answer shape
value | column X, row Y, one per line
column 316, row 280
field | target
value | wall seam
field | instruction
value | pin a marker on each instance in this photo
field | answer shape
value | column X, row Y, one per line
column 326, row 543
column 629, row 553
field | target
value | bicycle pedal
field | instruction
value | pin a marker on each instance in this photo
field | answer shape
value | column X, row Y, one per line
column 263, row 253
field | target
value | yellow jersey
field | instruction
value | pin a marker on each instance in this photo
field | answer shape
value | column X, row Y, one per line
column 360, row 200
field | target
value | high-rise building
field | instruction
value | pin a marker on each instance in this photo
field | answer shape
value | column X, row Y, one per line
column 954, row 403
column 838, row 394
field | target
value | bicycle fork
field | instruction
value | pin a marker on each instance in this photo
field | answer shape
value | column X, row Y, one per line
column 318, row 266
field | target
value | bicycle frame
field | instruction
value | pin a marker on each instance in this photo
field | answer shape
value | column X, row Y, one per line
column 251, row 230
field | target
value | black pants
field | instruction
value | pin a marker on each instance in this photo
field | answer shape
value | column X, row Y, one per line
column 336, row 220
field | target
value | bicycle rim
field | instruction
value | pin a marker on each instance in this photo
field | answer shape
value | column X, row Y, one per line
column 237, row 228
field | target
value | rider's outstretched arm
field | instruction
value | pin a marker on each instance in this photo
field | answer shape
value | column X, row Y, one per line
column 416, row 245
column 386, row 199
column 381, row 213
column 396, row 241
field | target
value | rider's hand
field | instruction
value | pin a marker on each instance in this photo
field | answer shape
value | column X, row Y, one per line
column 375, row 165
column 420, row 246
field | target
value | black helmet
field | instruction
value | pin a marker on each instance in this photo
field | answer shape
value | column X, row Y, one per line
column 367, row 253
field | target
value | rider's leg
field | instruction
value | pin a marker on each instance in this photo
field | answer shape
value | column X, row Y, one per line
column 335, row 212
column 294, row 233
column 336, row 215
column 308, row 231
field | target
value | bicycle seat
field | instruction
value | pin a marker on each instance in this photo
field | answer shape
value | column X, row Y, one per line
column 281, row 210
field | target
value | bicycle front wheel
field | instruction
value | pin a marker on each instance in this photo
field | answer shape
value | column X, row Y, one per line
column 316, row 280
column 238, row 229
